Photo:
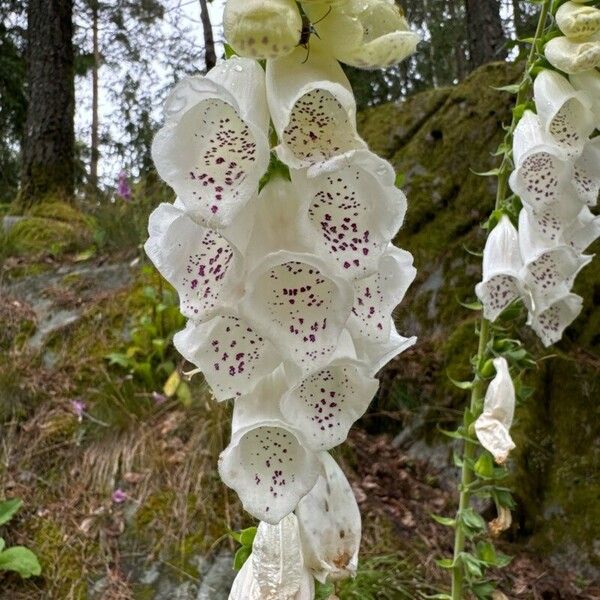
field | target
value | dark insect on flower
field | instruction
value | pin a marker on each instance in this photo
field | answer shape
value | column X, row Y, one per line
column 308, row 29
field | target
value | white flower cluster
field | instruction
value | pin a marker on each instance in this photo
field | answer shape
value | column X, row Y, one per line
column 289, row 288
column 557, row 178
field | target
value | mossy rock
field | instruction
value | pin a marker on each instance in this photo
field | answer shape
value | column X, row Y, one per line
column 438, row 140
column 54, row 228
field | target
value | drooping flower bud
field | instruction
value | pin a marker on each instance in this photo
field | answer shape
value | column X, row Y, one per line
column 493, row 425
column 573, row 57
column 262, row 29
column 578, row 22
column 368, row 34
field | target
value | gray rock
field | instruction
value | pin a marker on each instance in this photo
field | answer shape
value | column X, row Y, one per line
column 217, row 581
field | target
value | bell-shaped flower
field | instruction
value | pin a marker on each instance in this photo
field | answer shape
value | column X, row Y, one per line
column 312, row 107
column 551, row 221
column 549, row 270
column 583, row 231
column 275, row 569
column 573, row 57
column 368, row 34
column 543, row 171
column 326, row 403
column 299, row 305
column 551, row 322
column 589, row 83
column 578, row 21
column 232, row 355
column 278, row 224
column 330, row 525
column 353, row 212
column 586, row 173
column 199, row 263
column 493, row 425
column 376, row 296
column 213, row 148
column 262, row 28
column 564, row 113
column 268, row 462
column 502, row 265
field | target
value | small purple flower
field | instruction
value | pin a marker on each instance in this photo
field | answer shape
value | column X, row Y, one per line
column 158, row 397
column 78, row 407
column 119, row 496
column 123, row 187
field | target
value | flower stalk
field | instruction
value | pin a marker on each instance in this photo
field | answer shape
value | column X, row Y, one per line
column 479, row 381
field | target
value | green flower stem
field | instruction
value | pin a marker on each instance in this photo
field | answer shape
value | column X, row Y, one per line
column 478, row 389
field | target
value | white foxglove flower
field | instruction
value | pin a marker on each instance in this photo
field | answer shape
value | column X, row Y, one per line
column 275, row 569
column 583, row 231
column 578, row 22
column 586, row 173
column 231, row 354
column 369, row 34
column 493, row 425
column 300, row 306
column 199, row 263
column 376, row 296
column 551, row 221
column 589, row 82
column 326, row 403
column 353, row 212
column 573, row 57
column 550, row 323
column 502, row 266
column 267, row 462
column 330, row 525
column 549, row 270
column 262, row 28
column 543, row 172
column 213, row 148
column 312, row 107
column 564, row 113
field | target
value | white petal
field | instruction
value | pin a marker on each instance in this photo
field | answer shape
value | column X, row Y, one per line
column 300, row 305
column 543, row 173
column 551, row 322
column 280, row 221
column 501, row 265
column 267, row 462
column 589, row 82
column 586, row 173
column 583, row 231
column 210, row 154
column 330, row 525
column 551, row 221
column 572, row 57
column 576, row 21
column 232, row 355
column 312, row 107
column 353, row 213
column 199, row 263
column 244, row 585
column 367, row 34
column 377, row 354
column 262, row 28
column 376, row 296
column 492, row 427
column 326, row 403
column 564, row 113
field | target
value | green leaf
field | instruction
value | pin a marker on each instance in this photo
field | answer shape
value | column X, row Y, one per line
column 247, row 536
column 471, row 305
column 8, row 509
column 482, row 590
column 472, row 564
column 241, row 556
column 399, row 180
column 445, row 563
column 118, row 358
column 473, row 520
column 484, row 466
column 20, row 560
column 461, row 385
column 229, row 51
column 447, row 521
column 490, row 173
column 511, row 89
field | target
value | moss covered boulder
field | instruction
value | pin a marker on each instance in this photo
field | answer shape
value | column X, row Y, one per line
column 438, row 140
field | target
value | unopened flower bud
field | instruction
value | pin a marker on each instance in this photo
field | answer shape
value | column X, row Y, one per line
column 578, row 21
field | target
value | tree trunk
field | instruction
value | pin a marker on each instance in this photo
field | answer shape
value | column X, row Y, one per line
column 95, row 66
column 210, row 57
column 48, row 148
column 484, row 32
